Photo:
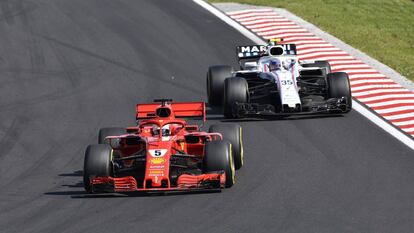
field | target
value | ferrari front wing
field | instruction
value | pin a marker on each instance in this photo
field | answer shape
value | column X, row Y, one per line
column 185, row 183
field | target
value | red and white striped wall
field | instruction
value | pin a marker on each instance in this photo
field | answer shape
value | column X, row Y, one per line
column 380, row 93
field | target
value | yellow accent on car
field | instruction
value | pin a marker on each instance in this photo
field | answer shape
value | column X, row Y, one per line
column 241, row 146
column 233, row 170
column 275, row 40
column 157, row 161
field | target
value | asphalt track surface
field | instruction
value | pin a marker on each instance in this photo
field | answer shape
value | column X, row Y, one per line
column 68, row 68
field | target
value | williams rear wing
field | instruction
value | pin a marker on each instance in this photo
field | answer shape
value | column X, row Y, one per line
column 257, row 51
column 250, row 51
column 195, row 110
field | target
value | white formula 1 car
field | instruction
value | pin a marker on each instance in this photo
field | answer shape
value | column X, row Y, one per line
column 272, row 81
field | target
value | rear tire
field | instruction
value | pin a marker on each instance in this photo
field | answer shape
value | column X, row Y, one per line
column 218, row 157
column 97, row 163
column 236, row 90
column 105, row 132
column 232, row 133
column 215, row 83
column 339, row 86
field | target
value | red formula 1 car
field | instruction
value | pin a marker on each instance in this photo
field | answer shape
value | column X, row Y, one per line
column 164, row 153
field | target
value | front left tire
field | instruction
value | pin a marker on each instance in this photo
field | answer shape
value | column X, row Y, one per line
column 218, row 157
column 97, row 163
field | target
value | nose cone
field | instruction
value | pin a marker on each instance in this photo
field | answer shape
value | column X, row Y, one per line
column 158, row 165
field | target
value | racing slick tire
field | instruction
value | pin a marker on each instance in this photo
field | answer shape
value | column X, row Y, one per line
column 234, row 134
column 235, row 91
column 339, row 86
column 321, row 64
column 105, row 132
column 97, row 163
column 218, row 157
column 215, row 83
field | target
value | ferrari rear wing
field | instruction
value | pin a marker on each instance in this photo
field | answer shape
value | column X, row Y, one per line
column 196, row 110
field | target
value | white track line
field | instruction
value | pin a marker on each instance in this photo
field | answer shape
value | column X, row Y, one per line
column 399, row 116
column 379, row 98
column 286, row 34
column 395, row 110
column 241, row 11
column 351, row 76
column 377, row 86
column 355, row 105
column 392, row 102
column 369, row 81
column 250, row 15
column 405, row 123
column 339, row 62
column 314, row 46
column 280, row 30
column 268, row 25
column 266, row 22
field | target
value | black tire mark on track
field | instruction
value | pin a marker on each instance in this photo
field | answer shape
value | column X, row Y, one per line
column 56, row 95
column 10, row 10
column 12, row 135
column 7, row 13
column 37, row 59
column 144, row 74
column 71, row 70
column 42, row 73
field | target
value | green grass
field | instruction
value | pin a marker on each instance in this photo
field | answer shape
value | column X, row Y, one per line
column 384, row 29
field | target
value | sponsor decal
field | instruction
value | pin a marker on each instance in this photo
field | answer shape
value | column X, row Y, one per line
column 156, row 173
column 157, row 161
column 253, row 48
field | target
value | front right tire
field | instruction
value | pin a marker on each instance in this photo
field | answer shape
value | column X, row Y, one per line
column 339, row 86
column 236, row 90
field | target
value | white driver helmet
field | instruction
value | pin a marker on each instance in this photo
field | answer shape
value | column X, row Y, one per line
column 166, row 130
column 274, row 64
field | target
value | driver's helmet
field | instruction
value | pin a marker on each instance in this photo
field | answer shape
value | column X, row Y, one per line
column 165, row 130
column 155, row 130
column 274, row 64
